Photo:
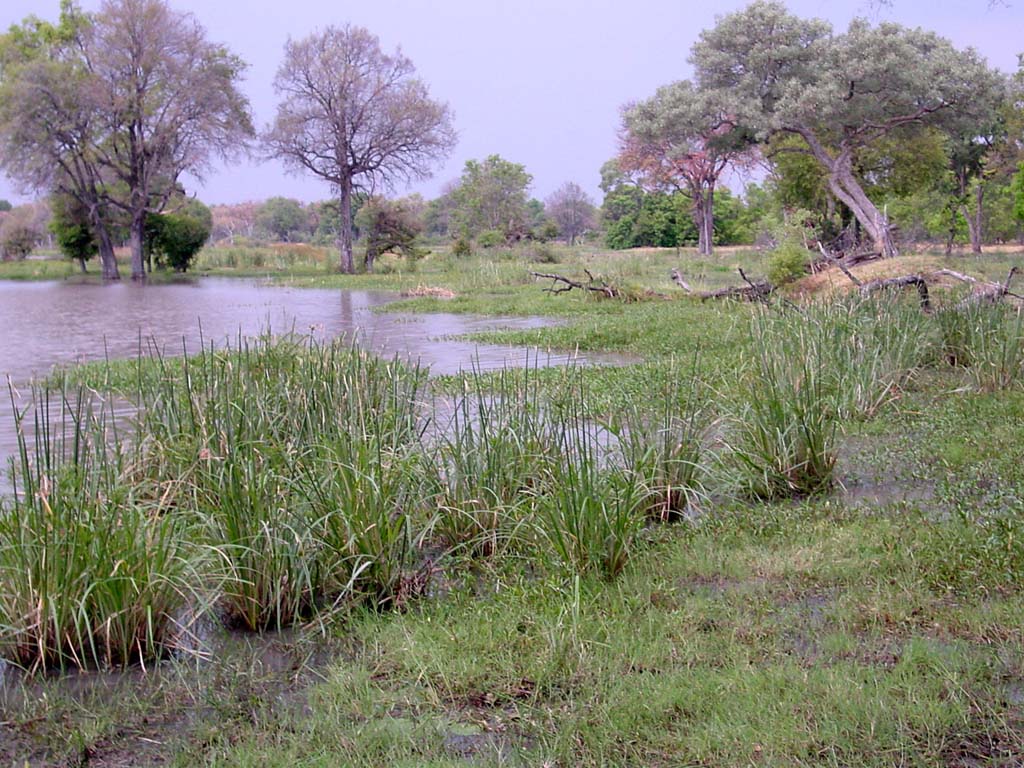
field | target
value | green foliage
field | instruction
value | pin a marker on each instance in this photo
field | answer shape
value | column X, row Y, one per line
column 491, row 195
column 462, row 248
column 490, row 238
column 283, row 219
column 389, row 226
column 176, row 238
column 787, row 262
column 5, row 205
column 70, row 227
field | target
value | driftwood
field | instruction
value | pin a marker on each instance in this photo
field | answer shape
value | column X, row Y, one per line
column 563, row 284
column 982, row 291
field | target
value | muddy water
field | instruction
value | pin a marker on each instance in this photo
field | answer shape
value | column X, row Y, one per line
column 54, row 323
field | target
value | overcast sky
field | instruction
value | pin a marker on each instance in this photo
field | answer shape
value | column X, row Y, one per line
column 539, row 82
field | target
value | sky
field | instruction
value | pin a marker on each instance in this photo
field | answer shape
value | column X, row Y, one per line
column 539, row 82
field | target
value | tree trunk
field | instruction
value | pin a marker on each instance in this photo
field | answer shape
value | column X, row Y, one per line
column 973, row 219
column 703, row 206
column 106, row 248
column 345, row 235
column 81, row 265
column 845, row 187
column 137, row 240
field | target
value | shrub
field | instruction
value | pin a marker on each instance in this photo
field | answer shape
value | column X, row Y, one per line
column 788, row 262
column 462, row 248
column 490, row 238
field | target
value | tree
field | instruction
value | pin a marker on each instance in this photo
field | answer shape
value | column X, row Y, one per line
column 491, row 196
column 70, row 225
column 839, row 93
column 120, row 105
column 684, row 139
column 170, row 104
column 48, row 118
column 282, row 219
column 390, row 226
column 231, row 221
column 355, row 117
column 5, row 205
column 20, row 232
column 572, row 210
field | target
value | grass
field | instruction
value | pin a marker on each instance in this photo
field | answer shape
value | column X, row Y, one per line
column 841, row 586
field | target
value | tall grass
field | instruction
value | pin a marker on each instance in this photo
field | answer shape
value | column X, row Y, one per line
column 593, row 512
column 986, row 340
column 870, row 348
column 293, row 454
column 784, row 434
column 92, row 574
column 664, row 444
column 493, row 455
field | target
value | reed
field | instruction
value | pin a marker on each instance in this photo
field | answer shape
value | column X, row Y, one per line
column 93, row 574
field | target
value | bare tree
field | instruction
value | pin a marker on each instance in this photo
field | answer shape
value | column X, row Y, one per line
column 356, row 117
column 572, row 210
column 171, row 105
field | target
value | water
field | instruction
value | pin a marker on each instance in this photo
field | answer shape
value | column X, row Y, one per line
column 46, row 324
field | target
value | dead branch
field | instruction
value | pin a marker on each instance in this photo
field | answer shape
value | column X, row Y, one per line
column 563, row 284
column 982, row 291
column 678, row 279
column 836, row 262
column 866, row 289
column 759, row 291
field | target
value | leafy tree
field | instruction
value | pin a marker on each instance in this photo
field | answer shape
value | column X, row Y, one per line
column 355, row 117
column 49, row 121
column 119, row 104
column 20, row 232
column 839, row 92
column 282, row 219
column 176, row 238
column 170, row 103
column 684, row 139
column 70, row 226
column 572, row 210
column 491, row 195
column 390, row 226
column 5, row 205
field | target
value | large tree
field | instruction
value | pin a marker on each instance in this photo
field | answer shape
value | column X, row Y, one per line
column 355, row 117
column 113, row 108
column 170, row 104
column 49, row 121
column 572, row 210
column 839, row 92
column 684, row 139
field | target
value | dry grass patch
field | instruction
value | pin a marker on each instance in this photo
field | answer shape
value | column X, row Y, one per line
column 428, row 291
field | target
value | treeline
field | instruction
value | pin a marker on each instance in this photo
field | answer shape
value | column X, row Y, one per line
column 863, row 138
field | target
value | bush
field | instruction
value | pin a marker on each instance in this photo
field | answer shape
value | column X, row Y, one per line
column 787, row 262
column 542, row 253
column 490, row 238
column 462, row 248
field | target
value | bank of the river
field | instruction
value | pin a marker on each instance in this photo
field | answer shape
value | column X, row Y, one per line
column 876, row 622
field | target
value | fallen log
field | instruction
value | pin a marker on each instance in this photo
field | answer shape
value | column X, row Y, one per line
column 918, row 281
column 563, row 284
column 752, row 291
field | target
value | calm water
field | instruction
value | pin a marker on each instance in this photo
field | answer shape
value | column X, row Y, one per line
column 53, row 323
